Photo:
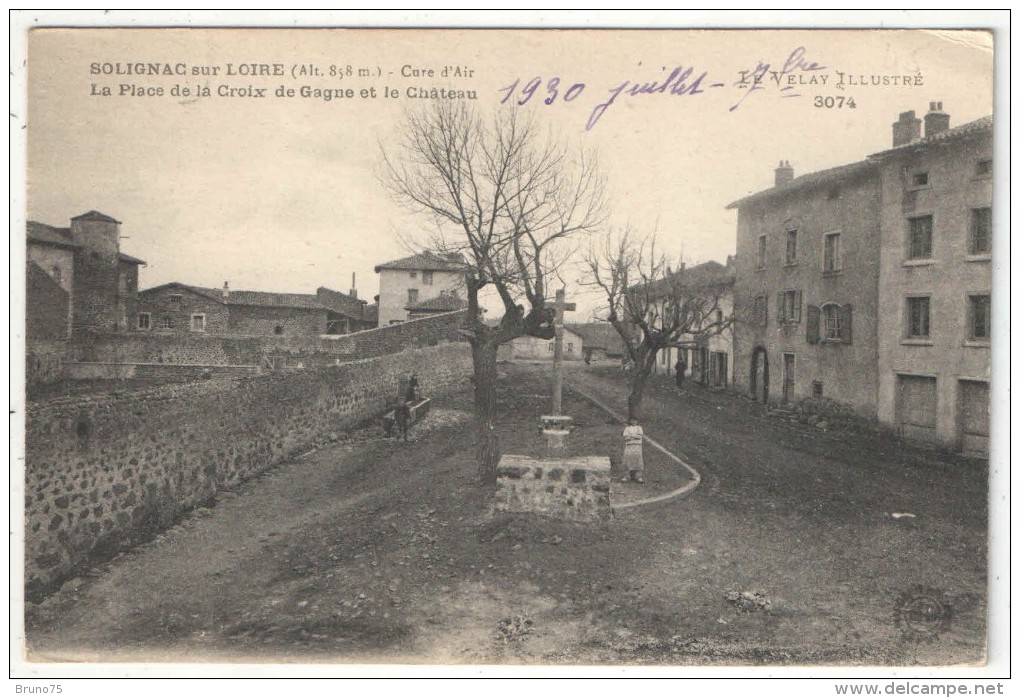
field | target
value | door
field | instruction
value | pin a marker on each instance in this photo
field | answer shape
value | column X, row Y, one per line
column 916, row 407
column 760, row 374
column 789, row 377
column 972, row 415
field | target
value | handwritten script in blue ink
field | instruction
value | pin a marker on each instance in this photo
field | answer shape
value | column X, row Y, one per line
column 786, row 80
column 680, row 81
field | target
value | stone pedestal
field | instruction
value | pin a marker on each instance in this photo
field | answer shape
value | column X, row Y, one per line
column 574, row 489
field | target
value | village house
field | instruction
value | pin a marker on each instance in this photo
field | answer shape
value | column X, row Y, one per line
column 599, row 341
column 879, row 276
column 176, row 308
column 411, row 281
column 78, row 279
column 445, row 302
column 529, row 348
column 934, row 348
column 708, row 349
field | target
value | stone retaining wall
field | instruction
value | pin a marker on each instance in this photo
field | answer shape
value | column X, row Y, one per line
column 107, row 471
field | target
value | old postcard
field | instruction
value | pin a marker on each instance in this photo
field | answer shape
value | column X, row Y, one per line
column 508, row 347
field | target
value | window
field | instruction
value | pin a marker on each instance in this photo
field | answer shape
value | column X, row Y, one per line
column 791, row 246
column 414, row 275
column 979, row 314
column 412, row 296
column 570, row 347
column 718, row 318
column 761, row 252
column 56, row 274
column 833, row 323
column 816, row 388
column 920, row 179
column 918, row 317
column 166, row 323
column 123, row 283
column 789, row 306
column 833, row 258
column 983, row 168
column 980, row 231
column 550, row 347
column 761, row 317
column 278, row 329
column 426, row 278
column 175, row 299
column 198, row 323
column 144, row 321
column 919, row 244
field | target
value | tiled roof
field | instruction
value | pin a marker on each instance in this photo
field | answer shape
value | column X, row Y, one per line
column 961, row 131
column 599, row 335
column 439, row 304
column 258, row 298
column 48, row 235
column 341, row 302
column 426, row 261
column 95, row 216
column 812, row 179
column 128, row 258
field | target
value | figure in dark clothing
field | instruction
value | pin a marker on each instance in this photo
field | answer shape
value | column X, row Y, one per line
column 681, row 368
column 412, row 388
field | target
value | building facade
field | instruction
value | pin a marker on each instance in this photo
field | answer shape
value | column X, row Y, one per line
column 936, row 281
column 410, row 281
column 529, row 348
column 806, row 291
column 177, row 308
column 870, row 283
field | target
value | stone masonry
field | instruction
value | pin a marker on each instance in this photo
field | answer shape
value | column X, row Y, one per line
column 575, row 489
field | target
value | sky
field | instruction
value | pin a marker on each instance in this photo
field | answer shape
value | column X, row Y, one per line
column 282, row 194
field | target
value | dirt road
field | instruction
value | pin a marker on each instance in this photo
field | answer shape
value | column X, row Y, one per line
column 380, row 551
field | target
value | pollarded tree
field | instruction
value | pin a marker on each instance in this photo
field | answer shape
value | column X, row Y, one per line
column 510, row 202
column 651, row 306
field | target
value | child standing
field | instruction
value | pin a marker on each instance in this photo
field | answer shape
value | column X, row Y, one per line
column 633, row 458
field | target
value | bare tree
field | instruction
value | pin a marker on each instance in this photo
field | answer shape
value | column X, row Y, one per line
column 651, row 306
column 507, row 200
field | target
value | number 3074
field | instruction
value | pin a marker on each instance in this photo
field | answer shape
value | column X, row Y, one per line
column 835, row 102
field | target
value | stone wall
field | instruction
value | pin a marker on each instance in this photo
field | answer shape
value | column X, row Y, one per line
column 105, row 472
column 44, row 363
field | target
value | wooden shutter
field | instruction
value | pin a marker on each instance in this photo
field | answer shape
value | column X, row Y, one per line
column 814, row 318
column 779, row 308
column 796, row 304
column 848, row 323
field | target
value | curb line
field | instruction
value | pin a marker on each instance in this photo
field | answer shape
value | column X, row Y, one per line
column 683, row 491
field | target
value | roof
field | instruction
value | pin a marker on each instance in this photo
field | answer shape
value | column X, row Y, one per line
column 442, row 303
column 340, row 302
column 599, row 335
column 95, row 216
column 426, row 261
column 962, row 131
column 129, row 259
column 812, row 179
column 256, row 298
column 43, row 234
column 372, row 313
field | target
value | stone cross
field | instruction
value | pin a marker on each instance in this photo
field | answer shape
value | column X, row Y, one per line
column 561, row 306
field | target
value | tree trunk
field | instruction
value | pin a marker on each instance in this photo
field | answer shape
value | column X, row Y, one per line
column 637, row 392
column 486, row 439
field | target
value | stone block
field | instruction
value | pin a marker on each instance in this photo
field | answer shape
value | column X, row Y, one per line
column 583, row 496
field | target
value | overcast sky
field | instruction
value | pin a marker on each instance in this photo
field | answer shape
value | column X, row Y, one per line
column 281, row 194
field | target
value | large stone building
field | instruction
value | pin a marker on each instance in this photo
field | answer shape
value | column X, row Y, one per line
column 936, row 280
column 85, row 261
column 176, row 308
column 806, row 293
column 410, row 281
column 870, row 283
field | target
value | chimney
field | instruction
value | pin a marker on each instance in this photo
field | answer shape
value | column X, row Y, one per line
column 935, row 121
column 354, row 285
column 907, row 129
column 226, row 290
column 784, row 173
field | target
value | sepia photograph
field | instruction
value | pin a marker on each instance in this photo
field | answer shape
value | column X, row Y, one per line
column 508, row 347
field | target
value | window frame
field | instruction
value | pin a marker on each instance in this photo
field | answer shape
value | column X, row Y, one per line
column 908, row 311
column 910, row 256
column 176, row 299
column 148, row 322
column 971, row 317
column 761, row 259
column 975, row 214
column 837, row 267
column 427, row 277
column 761, row 313
column 835, row 311
column 794, row 317
column 978, row 173
column 914, row 184
column 191, row 325
column 166, row 323
column 792, row 235
column 412, row 299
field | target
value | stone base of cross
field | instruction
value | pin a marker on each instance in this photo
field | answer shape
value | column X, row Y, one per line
column 556, row 426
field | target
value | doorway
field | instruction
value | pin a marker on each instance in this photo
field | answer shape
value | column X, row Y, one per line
column 789, row 377
column 760, row 374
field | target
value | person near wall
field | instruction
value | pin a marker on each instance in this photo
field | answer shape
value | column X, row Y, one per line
column 402, row 415
column 633, row 456
column 412, row 388
column 681, row 368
